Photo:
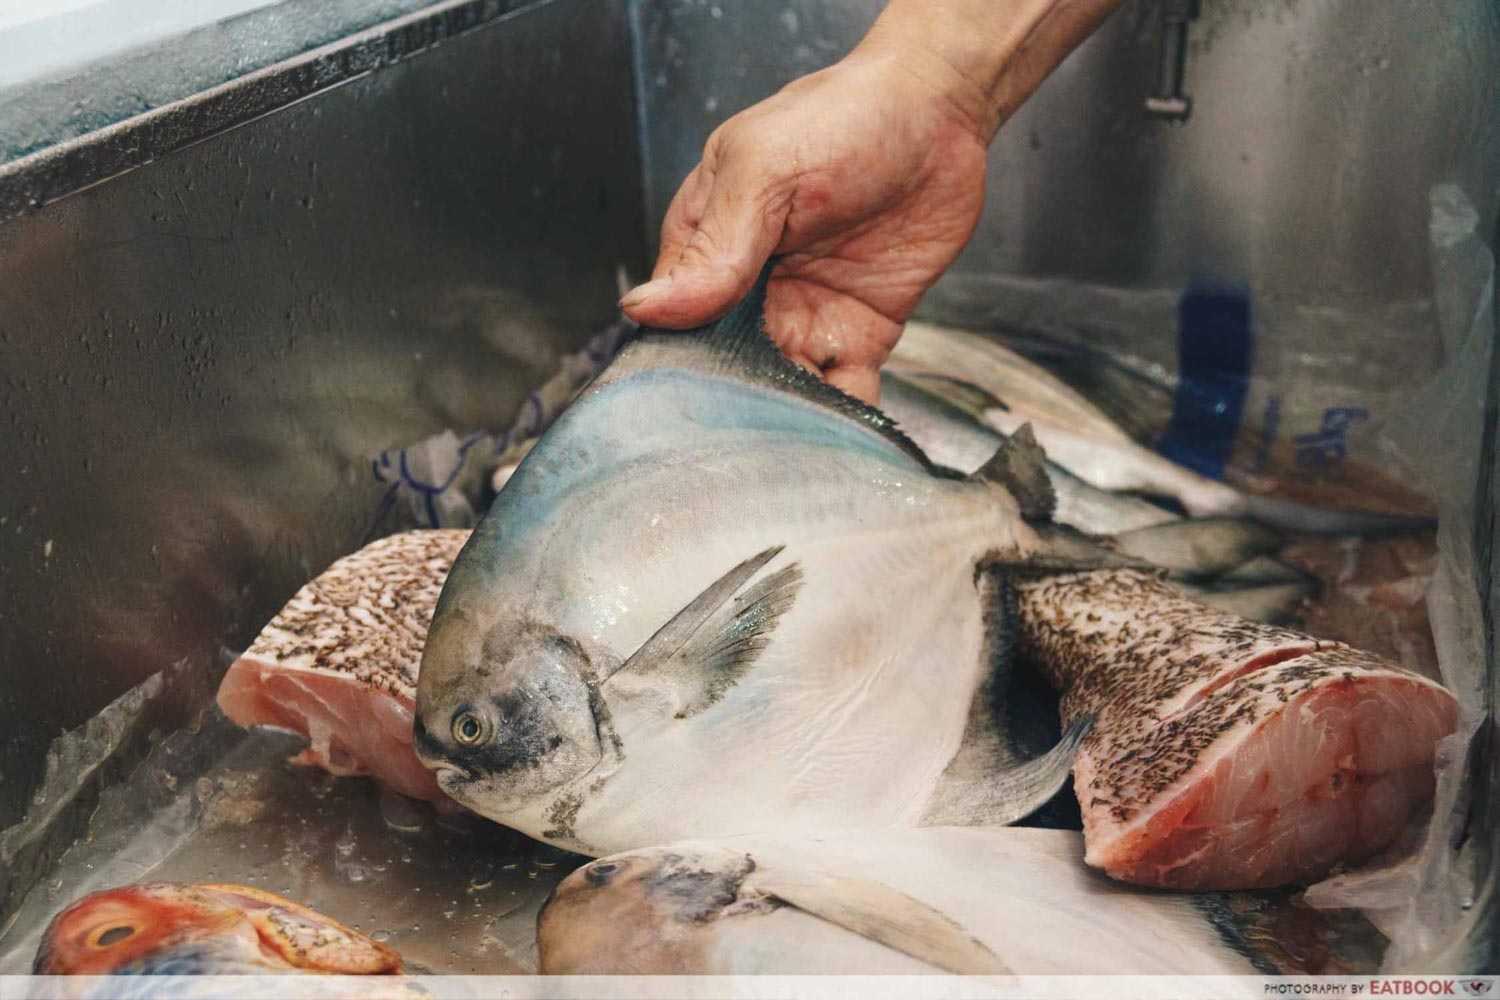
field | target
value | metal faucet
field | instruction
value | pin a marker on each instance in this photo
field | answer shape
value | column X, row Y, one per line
column 1168, row 101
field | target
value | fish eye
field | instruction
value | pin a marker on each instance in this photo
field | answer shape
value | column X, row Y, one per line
column 600, row 871
column 470, row 728
column 112, row 935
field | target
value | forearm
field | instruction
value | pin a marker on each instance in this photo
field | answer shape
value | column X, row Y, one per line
column 983, row 56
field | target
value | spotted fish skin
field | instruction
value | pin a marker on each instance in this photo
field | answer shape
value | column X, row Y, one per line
column 339, row 662
column 1225, row 753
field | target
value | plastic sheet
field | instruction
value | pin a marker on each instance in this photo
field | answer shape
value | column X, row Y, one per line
column 1424, row 902
column 444, row 481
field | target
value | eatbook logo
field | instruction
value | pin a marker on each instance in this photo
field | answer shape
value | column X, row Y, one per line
column 1476, row 987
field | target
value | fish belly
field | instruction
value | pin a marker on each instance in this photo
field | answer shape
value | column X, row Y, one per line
column 1020, row 891
column 339, row 663
column 849, row 715
column 1227, row 754
column 788, row 942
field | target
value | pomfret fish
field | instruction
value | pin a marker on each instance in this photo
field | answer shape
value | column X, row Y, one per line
column 721, row 596
column 995, row 901
column 176, row 929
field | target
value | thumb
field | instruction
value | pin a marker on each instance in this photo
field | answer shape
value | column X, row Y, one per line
column 709, row 262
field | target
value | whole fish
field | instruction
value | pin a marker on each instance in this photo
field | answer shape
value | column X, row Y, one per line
column 1009, row 391
column 178, row 929
column 951, row 436
column 1188, row 548
column 339, row 663
column 720, row 596
column 1006, row 378
column 996, row 901
column 1225, row 753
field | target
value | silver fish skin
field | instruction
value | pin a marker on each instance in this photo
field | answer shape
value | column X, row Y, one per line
column 978, row 901
column 1079, row 436
column 1200, row 547
column 1189, row 548
column 1270, row 603
column 951, row 436
column 717, row 596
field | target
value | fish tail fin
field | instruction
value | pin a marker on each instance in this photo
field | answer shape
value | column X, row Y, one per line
column 1029, row 786
column 1012, row 793
column 1289, row 515
column 1018, row 466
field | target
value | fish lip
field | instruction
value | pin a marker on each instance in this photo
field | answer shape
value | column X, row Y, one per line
column 445, row 769
column 431, row 753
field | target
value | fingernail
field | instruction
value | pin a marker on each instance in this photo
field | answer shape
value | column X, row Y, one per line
column 641, row 293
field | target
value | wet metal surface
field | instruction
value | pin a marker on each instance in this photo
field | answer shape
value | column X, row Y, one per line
column 81, row 70
column 453, row 894
column 199, row 357
column 1318, row 129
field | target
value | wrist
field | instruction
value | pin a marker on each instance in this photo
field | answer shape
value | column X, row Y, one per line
column 958, row 72
column 982, row 57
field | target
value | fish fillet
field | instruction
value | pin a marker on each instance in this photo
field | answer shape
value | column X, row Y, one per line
column 339, row 663
column 1227, row 754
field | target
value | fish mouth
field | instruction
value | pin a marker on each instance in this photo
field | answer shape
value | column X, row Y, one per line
column 450, row 774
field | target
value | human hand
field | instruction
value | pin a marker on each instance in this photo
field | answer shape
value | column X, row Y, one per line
column 867, row 178
column 866, row 181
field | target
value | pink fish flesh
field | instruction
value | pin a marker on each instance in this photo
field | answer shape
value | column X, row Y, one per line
column 1227, row 754
column 339, row 663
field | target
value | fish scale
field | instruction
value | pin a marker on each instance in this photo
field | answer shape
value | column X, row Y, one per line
column 339, row 662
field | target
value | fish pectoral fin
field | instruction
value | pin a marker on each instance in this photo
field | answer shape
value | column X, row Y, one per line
column 1011, row 795
column 1019, row 464
column 706, row 647
column 1027, row 787
column 884, row 915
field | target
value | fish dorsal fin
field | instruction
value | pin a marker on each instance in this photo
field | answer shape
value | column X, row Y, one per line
column 885, row 915
column 1019, row 465
column 739, row 344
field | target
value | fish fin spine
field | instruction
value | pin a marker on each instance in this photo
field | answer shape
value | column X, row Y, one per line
column 1018, row 465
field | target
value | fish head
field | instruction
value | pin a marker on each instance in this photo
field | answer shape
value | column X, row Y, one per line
column 650, row 911
column 506, row 713
column 167, row 928
column 122, row 928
